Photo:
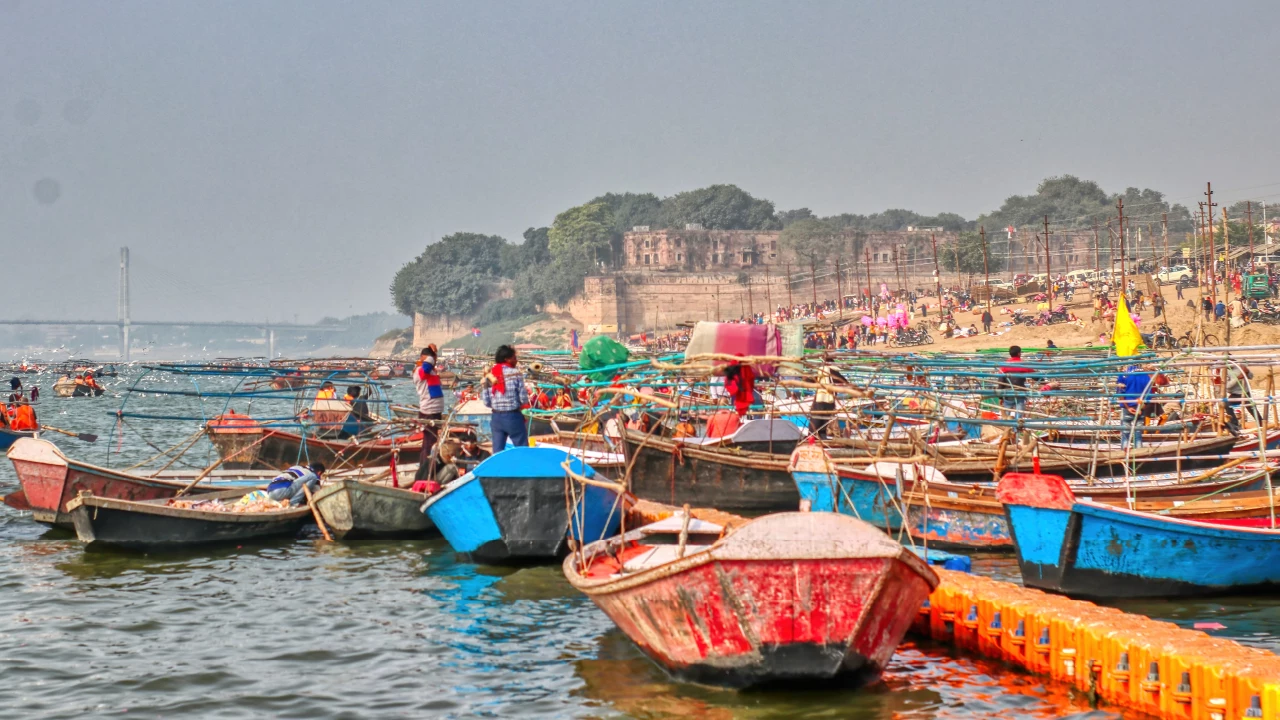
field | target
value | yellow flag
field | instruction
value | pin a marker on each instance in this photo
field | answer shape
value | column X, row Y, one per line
column 1126, row 335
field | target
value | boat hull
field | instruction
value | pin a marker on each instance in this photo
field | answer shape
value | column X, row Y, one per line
column 50, row 481
column 519, row 521
column 9, row 437
column 355, row 510
column 751, row 612
column 1090, row 550
column 519, row 507
column 679, row 474
column 101, row 522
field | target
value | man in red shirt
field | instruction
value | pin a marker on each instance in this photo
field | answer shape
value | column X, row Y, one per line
column 1014, row 381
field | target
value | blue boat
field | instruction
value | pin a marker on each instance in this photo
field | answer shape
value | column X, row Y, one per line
column 1086, row 549
column 7, row 437
column 514, row 508
column 875, row 494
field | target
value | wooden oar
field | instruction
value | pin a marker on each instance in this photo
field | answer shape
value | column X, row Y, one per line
column 87, row 437
column 316, row 513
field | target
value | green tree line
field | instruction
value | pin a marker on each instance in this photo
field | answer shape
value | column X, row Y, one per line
column 459, row 274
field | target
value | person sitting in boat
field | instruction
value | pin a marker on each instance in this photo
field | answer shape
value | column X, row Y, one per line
column 563, row 400
column 684, row 428
column 358, row 419
column 16, row 396
column 288, row 484
column 327, row 391
column 470, row 453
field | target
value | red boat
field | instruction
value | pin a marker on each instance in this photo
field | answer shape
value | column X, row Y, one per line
column 789, row 597
column 50, row 480
column 249, row 445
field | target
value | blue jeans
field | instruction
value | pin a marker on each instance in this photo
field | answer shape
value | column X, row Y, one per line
column 1130, row 427
column 1018, row 403
column 508, row 425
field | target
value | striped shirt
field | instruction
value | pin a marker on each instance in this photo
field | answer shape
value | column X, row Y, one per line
column 516, row 396
column 430, row 393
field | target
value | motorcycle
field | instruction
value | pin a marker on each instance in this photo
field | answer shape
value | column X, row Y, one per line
column 910, row 336
column 1162, row 338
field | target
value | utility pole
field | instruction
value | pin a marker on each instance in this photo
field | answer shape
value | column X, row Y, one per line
column 986, row 269
column 1248, row 211
column 1124, row 254
column 897, row 278
column 1207, row 257
column 1164, row 231
column 1266, row 231
column 1097, row 266
column 869, row 291
column 956, row 250
column 1048, row 263
column 122, row 304
column 751, row 307
column 790, row 302
column 813, row 281
column 839, row 289
column 857, row 278
column 1226, row 270
column 1208, row 215
column 937, row 277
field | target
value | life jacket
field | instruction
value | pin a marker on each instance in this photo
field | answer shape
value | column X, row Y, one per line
column 24, row 418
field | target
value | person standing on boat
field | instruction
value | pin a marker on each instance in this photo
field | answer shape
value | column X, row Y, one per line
column 288, row 484
column 1013, row 381
column 426, row 380
column 1237, row 378
column 1134, row 388
column 505, row 394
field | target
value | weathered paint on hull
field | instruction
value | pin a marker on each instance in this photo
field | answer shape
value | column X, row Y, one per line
column 760, row 615
column 109, row 527
column 354, row 510
column 50, row 481
column 976, row 528
column 1091, row 550
column 700, row 481
column 519, row 521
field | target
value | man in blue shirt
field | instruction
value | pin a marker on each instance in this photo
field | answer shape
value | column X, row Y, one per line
column 1135, row 391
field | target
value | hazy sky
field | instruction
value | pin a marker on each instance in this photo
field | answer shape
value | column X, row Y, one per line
column 273, row 159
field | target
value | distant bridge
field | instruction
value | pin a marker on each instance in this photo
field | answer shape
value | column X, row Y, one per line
column 124, row 322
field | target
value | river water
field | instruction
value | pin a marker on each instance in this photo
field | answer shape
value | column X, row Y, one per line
column 307, row 629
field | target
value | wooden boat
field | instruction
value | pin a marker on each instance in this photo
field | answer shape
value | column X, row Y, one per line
column 710, row 475
column 66, row 387
column 8, row 436
column 516, row 507
column 49, row 480
column 353, row 510
column 922, row 500
column 154, row 525
column 249, row 445
column 785, row 598
column 1089, row 549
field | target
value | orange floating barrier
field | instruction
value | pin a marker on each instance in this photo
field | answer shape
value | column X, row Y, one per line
column 1122, row 659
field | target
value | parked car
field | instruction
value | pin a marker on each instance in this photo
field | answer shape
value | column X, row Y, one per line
column 1168, row 276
